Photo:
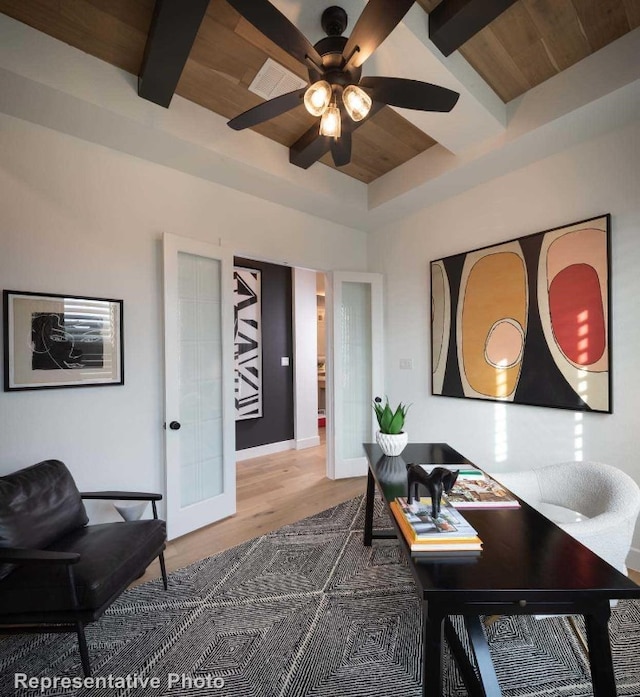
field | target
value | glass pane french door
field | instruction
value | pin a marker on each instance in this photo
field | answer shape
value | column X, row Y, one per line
column 199, row 423
column 354, row 369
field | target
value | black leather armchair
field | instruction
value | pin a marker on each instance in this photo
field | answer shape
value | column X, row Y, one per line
column 57, row 574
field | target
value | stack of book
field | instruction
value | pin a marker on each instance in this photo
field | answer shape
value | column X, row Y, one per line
column 449, row 534
column 475, row 489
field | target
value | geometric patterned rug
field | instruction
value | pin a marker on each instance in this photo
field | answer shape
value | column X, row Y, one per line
column 305, row 611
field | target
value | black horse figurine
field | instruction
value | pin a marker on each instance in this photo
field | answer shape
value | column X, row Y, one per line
column 439, row 480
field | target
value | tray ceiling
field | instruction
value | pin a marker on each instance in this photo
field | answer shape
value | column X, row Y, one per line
column 531, row 41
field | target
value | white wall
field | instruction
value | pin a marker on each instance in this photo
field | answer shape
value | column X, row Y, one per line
column 78, row 218
column 598, row 177
column 305, row 358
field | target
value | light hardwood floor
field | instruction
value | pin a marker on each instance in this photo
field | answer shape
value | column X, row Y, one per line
column 272, row 491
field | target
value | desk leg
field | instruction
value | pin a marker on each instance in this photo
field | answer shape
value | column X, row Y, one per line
column 432, row 640
column 480, row 648
column 368, row 513
column 487, row 684
column 602, row 676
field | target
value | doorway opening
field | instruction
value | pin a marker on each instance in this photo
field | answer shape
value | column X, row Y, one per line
column 321, row 355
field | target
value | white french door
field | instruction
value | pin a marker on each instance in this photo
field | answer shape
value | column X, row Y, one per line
column 355, row 368
column 199, row 402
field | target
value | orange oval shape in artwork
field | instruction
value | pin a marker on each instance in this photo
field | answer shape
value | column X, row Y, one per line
column 577, row 315
column 493, row 327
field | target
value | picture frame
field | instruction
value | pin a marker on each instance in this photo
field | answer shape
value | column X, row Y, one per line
column 247, row 301
column 53, row 341
column 527, row 321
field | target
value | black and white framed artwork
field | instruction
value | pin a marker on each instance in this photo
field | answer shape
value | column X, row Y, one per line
column 247, row 342
column 61, row 341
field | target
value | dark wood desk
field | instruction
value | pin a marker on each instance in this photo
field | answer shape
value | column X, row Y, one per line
column 528, row 566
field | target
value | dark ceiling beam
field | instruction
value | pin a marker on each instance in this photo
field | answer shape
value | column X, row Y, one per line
column 174, row 26
column 453, row 22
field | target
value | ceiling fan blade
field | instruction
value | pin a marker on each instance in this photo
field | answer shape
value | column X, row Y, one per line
column 341, row 149
column 311, row 146
column 410, row 94
column 378, row 19
column 268, row 110
column 275, row 26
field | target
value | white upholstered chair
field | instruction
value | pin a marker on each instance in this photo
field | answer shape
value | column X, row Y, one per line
column 596, row 503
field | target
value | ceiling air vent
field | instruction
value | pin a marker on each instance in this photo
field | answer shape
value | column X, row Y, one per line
column 273, row 80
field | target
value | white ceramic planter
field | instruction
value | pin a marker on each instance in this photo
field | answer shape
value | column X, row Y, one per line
column 392, row 443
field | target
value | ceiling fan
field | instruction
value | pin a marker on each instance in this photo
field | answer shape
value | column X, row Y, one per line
column 337, row 93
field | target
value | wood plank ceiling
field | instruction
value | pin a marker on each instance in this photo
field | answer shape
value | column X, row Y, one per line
column 528, row 43
column 536, row 39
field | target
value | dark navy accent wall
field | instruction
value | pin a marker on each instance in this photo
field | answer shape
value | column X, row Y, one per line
column 276, row 424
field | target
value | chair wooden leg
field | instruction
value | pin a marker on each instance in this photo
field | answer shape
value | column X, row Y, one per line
column 82, row 640
column 163, row 569
column 491, row 619
column 578, row 633
column 84, row 651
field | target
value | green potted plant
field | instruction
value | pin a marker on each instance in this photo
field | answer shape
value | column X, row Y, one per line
column 391, row 437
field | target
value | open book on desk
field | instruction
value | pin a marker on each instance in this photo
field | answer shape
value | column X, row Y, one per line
column 480, row 492
column 475, row 489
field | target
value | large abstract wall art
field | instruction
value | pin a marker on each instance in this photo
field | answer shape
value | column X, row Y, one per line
column 527, row 321
column 248, row 343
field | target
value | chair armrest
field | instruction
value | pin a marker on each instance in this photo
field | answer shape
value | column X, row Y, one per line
column 124, row 496
column 121, row 495
column 36, row 556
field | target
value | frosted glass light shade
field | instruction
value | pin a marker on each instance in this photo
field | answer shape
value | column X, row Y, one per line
column 330, row 124
column 317, row 98
column 356, row 101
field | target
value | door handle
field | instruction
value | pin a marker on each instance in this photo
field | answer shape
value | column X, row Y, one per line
column 174, row 425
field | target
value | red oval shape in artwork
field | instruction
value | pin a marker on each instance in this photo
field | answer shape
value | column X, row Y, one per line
column 577, row 316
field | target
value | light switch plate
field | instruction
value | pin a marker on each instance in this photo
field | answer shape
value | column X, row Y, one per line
column 284, row 361
column 406, row 364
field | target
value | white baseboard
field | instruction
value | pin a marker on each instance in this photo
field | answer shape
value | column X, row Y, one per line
column 353, row 468
column 268, row 449
column 303, row 443
column 633, row 559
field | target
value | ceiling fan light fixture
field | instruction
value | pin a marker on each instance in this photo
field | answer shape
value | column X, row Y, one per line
column 317, row 98
column 331, row 124
column 336, row 87
column 356, row 101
